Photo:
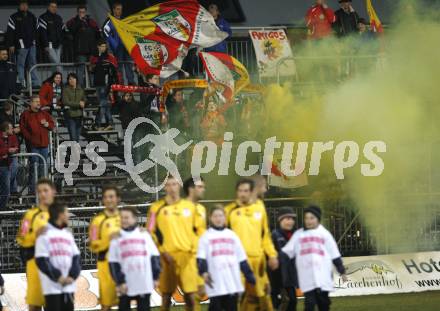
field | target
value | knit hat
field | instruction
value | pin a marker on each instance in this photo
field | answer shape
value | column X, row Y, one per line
column 362, row 21
column 286, row 212
column 315, row 210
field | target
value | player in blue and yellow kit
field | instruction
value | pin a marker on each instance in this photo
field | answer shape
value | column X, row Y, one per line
column 103, row 228
column 32, row 223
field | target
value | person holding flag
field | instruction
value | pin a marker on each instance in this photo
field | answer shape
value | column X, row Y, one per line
column 158, row 38
column 115, row 44
column 222, row 25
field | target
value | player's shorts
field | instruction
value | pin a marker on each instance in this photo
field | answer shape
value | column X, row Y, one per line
column 258, row 267
column 107, row 287
column 182, row 273
column 34, row 292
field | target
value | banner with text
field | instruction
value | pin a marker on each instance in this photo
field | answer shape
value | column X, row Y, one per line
column 272, row 47
column 390, row 274
column 367, row 275
column 86, row 296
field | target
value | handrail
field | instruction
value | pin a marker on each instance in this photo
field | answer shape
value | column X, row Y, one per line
column 97, row 208
column 296, row 58
column 34, row 67
column 32, row 154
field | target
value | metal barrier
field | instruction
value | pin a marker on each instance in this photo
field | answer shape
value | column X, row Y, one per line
column 349, row 61
column 18, row 179
column 353, row 238
column 45, row 70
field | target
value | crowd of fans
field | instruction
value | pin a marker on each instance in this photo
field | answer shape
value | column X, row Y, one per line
column 63, row 94
column 323, row 22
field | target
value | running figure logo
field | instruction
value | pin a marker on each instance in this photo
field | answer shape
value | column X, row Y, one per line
column 163, row 145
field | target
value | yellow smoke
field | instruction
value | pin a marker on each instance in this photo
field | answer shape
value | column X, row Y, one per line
column 395, row 100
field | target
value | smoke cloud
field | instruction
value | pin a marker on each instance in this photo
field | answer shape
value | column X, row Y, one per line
column 394, row 99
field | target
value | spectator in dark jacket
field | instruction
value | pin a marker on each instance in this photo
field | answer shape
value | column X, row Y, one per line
column 346, row 19
column 35, row 125
column 7, row 113
column 51, row 29
column 50, row 92
column 115, row 43
column 74, row 101
column 84, row 32
column 21, row 38
column 284, row 280
column 178, row 116
column 151, row 102
column 129, row 109
column 223, row 25
column 8, row 75
column 8, row 147
column 105, row 69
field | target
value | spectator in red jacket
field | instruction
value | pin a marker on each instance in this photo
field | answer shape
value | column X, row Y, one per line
column 8, row 147
column 35, row 125
column 319, row 20
column 50, row 92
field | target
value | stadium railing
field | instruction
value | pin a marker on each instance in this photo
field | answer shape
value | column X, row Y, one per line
column 350, row 63
column 45, row 70
column 353, row 235
column 357, row 241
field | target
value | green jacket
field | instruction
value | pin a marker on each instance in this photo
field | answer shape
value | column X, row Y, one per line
column 71, row 99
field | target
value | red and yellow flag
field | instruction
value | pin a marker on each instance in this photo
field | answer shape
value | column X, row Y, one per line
column 225, row 70
column 375, row 23
column 158, row 37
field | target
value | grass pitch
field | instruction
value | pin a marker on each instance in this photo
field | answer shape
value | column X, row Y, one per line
column 426, row 301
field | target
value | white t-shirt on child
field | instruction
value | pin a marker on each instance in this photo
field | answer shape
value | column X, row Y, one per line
column 133, row 251
column 59, row 246
column 314, row 251
column 223, row 251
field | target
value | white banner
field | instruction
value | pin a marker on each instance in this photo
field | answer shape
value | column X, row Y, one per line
column 271, row 46
column 86, row 296
column 368, row 275
column 390, row 274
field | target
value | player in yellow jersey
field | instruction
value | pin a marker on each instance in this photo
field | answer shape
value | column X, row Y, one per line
column 33, row 222
column 172, row 221
column 194, row 190
column 248, row 219
column 103, row 228
column 260, row 189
